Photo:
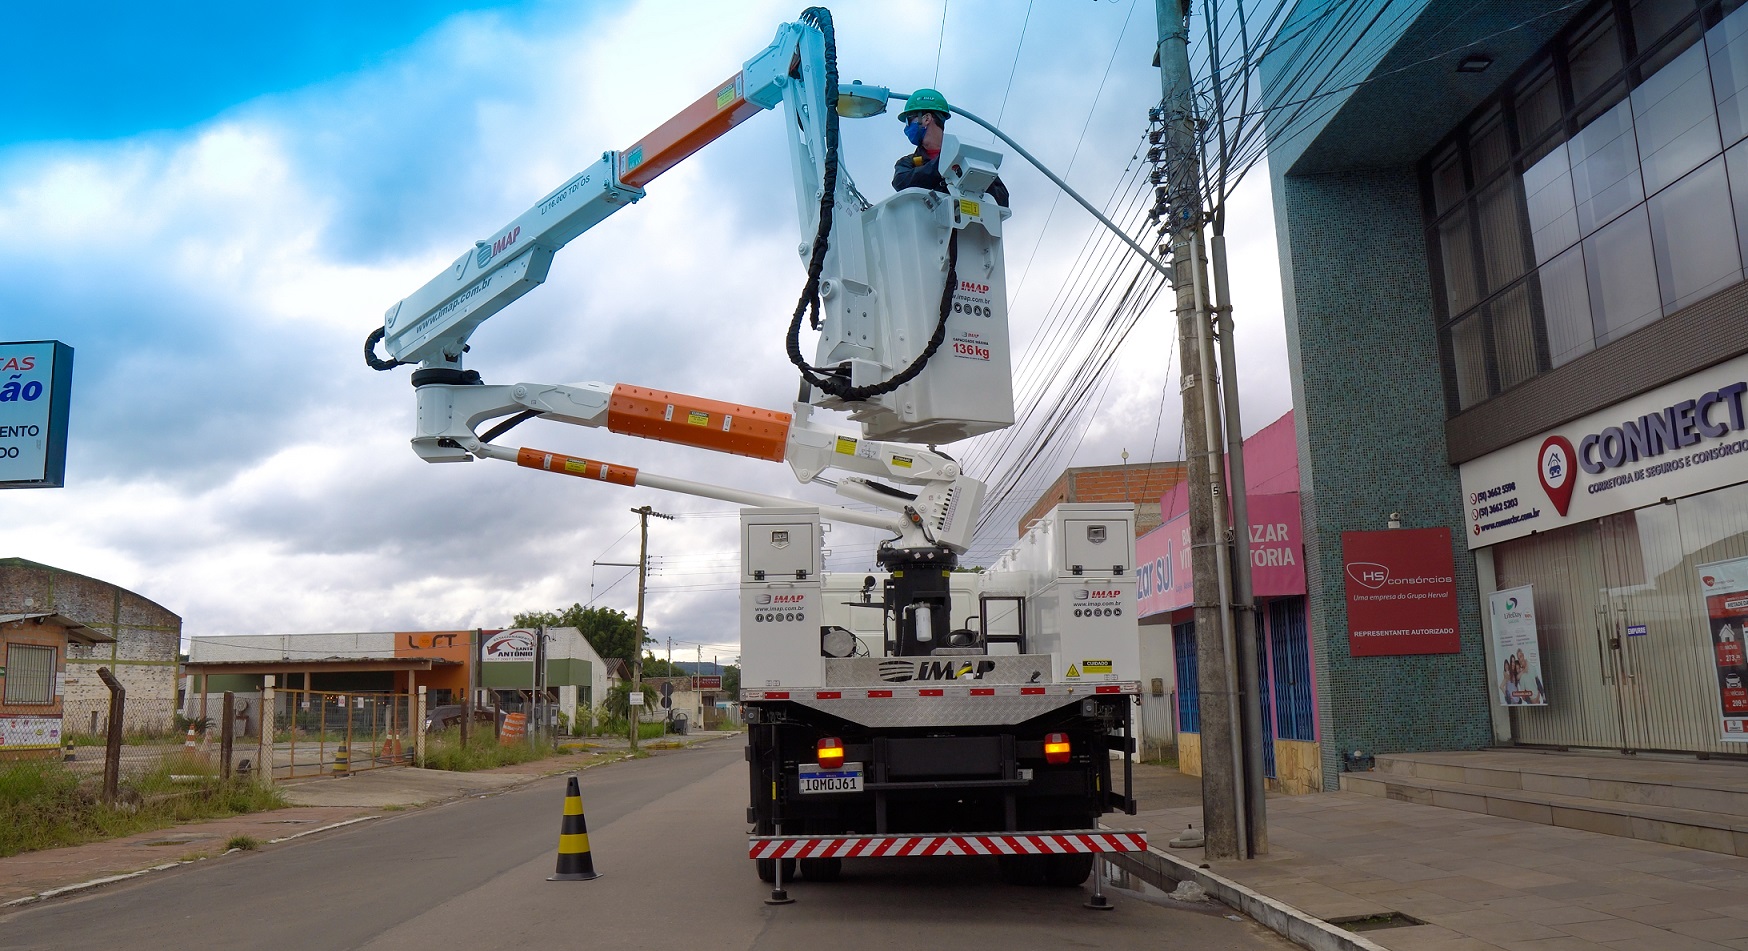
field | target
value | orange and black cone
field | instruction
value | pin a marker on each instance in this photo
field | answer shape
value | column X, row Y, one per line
column 575, row 864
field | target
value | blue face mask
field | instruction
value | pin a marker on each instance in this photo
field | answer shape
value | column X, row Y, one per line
column 913, row 130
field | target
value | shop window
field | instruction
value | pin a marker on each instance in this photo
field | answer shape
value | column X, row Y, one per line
column 30, row 674
column 1622, row 277
column 1553, row 212
column 1727, row 48
column 1675, row 120
column 1514, row 337
column 1489, row 147
column 1693, row 234
column 1447, row 182
column 1538, row 112
column 1290, row 649
column 1456, row 250
column 1566, row 308
column 1594, row 61
column 1605, row 168
column 1468, row 342
column 1189, row 702
column 1499, row 216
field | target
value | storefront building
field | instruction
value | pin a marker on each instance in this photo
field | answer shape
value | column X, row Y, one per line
column 33, row 680
column 1292, row 760
column 1512, row 251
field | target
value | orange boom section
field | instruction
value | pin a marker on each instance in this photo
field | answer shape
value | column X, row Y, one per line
column 575, row 466
column 696, row 126
column 696, row 421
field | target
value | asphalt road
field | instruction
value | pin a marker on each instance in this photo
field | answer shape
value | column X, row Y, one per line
column 668, row 834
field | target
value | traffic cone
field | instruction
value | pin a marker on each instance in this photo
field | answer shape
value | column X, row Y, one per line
column 575, row 864
column 188, row 743
column 342, row 761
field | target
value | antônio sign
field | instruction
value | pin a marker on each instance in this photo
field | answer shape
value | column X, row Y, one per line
column 36, row 384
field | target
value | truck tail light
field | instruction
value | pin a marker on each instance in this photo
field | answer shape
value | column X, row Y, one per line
column 1056, row 748
column 831, row 753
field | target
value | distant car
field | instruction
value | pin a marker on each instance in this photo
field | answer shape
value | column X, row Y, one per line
column 438, row 719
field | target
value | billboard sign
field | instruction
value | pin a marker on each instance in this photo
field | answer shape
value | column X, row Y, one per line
column 1401, row 592
column 1277, row 556
column 36, row 386
column 1724, row 585
column 1679, row 439
column 707, row 682
column 514, row 644
column 1519, row 653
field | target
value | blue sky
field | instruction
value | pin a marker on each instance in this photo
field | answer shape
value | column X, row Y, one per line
column 215, row 205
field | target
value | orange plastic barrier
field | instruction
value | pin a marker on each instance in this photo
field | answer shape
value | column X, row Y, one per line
column 515, row 728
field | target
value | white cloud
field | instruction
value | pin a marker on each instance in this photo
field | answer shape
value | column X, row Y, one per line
column 233, row 459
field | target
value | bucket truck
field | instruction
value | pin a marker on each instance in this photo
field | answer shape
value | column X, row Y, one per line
column 981, row 728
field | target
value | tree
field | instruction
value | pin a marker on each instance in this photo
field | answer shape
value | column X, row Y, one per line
column 613, row 634
column 731, row 680
column 654, row 666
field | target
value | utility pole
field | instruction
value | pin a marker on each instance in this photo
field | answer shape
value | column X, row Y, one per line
column 1222, row 777
column 643, row 513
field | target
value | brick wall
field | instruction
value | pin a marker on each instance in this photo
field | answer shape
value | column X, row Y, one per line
column 1141, row 484
column 147, row 639
column 1366, row 383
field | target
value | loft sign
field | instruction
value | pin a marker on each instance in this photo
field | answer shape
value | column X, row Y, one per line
column 36, row 380
column 1679, row 439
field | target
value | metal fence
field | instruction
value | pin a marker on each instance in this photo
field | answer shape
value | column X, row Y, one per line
column 318, row 732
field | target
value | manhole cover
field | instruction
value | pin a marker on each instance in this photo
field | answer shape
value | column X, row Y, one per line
column 1393, row 919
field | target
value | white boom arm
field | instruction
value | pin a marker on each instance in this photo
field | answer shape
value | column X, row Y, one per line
column 942, row 512
column 919, row 268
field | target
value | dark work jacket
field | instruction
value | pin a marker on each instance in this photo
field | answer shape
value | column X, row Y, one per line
column 917, row 170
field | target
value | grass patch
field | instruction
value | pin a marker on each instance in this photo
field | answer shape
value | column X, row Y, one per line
column 43, row 806
column 444, row 751
column 247, row 843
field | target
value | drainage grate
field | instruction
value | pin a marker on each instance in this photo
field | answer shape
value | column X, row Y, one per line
column 1394, row 919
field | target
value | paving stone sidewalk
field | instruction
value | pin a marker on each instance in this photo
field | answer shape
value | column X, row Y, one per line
column 1479, row 882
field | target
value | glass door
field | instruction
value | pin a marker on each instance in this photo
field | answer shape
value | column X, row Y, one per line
column 1645, row 627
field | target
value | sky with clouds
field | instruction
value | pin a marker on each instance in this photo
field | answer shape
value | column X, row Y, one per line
column 213, row 205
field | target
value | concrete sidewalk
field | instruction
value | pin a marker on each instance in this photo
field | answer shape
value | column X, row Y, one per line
column 1475, row 882
column 318, row 804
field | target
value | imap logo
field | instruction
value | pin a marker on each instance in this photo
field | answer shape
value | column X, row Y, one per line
column 1369, row 574
column 1554, row 469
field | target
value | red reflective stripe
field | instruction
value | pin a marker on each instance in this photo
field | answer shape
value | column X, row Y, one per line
column 983, row 691
column 1031, row 691
column 776, row 695
column 935, row 692
column 1111, row 688
column 829, row 694
column 879, row 693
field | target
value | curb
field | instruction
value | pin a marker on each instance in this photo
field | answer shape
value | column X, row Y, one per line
column 124, row 876
column 1164, row 871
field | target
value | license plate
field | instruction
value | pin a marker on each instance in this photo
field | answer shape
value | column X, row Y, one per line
column 845, row 779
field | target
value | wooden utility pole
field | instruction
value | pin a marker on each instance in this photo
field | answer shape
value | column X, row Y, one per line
column 643, row 512
column 1221, row 774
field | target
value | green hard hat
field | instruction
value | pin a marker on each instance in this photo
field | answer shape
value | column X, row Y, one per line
column 923, row 100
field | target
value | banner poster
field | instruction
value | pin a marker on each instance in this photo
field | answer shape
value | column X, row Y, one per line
column 30, row 733
column 1724, row 585
column 1401, row 592
column 1519, row 653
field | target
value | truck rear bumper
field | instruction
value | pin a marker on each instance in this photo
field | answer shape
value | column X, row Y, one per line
column 1059, row 842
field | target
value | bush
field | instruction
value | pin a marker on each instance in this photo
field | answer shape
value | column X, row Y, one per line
column 43, row 806
column 444, row 751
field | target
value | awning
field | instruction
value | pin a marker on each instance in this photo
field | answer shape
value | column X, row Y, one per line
column 76, row 631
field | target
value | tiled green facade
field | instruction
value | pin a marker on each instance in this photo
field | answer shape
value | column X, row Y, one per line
column 1371, row 441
